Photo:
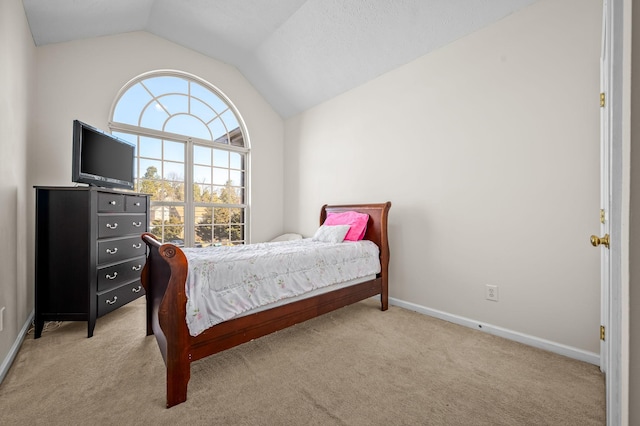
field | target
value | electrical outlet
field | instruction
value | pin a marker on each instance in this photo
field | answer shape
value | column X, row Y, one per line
column 491, row 292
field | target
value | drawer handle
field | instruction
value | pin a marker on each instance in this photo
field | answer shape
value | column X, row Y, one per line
column 111, row 302
column 112, row 277
column 137, row 224
column 112, row 251
column 110, row 226
column 137, row 289
column 137, row 204
column 136, row 268
column 113, row 203
column 137, row 246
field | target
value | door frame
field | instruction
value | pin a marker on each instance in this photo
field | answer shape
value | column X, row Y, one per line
column 618, row 64
column 605, row 183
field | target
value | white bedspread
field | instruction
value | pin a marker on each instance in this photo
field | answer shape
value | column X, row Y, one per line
column 224, row 282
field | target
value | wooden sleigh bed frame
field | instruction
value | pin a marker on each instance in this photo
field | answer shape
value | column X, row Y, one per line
column 163, row 278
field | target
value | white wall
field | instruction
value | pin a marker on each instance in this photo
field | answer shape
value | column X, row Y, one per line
column 489, row 151
column 79, row 80
column 17, row 64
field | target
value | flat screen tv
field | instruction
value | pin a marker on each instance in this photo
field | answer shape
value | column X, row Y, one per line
column 100, row 159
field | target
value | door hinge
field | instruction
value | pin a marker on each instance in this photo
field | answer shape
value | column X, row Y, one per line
column 601, row 215
column 602, row 332
column 602, row 99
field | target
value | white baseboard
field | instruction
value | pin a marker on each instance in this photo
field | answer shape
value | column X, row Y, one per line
column 558, row 348
column 13, row 352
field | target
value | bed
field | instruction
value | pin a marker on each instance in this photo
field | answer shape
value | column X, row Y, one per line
column 164, row 278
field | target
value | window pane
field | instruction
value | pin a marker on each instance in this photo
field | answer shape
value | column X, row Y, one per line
column 236, row 160
column 150, row 147
column 173, row 151
column 202, row 110
column 166, row 84
column 221, row 234
column 237, row 139
column 202, row 193
column 202, row 155
column 208, row 196
column 236, row 216
column 130, row 104
column 176, row 213
column 203, row 235
column 220, row 158
column 203, row 228
column 218, row 191
column 221, row 215
column 208, row 97
column 229, row 119
column 202, row 174
column 203, row 215
column 153, row 187
column 177, row 191
column 166, row 222
column 153, row 117
column 220, row 176
column 175, row 103
column 156, row 218
column 230, row 195
column 173, row 171
column 237, row 234
column 150, row 168
column 187, row 125
column 236, row 178
column 218, row 131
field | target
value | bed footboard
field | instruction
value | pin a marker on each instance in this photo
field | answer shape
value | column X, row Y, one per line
column 163, row 277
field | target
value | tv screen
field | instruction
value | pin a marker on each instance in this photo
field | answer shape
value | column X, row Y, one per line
column 101, row 159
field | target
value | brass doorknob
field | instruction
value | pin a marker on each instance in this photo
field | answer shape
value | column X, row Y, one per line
column 596, row 241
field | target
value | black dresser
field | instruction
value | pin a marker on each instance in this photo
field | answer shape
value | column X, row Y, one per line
column 88, row 252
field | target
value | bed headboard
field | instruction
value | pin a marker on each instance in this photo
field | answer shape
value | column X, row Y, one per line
column 376, row 226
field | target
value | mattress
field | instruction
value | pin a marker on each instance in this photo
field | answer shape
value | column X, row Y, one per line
column 226, row 282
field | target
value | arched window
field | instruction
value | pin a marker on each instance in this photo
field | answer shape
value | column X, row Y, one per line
column 191, row 156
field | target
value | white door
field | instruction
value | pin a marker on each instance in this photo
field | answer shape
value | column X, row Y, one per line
column 605, row 189
column 610, row 189
column 615, row 80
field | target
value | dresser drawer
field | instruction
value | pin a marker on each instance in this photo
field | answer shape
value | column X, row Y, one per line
column 114, row 225
column 118, row 249
column 113, row 299
column 108, row 202
column 135, row 204
column 115, row 275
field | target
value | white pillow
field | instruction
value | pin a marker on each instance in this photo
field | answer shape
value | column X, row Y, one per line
column 331, row 234
column 287, row 237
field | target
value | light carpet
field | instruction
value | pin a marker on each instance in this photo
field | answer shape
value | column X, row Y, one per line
column 355, row 366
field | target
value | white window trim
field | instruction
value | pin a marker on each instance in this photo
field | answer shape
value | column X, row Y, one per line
column 246, row 150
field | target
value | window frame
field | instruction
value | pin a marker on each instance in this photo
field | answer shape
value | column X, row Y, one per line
column 189, row 143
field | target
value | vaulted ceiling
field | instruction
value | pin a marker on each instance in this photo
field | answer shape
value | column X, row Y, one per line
column 297, row 53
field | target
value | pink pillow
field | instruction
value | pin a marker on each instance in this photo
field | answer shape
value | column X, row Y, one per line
column 356, row 221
